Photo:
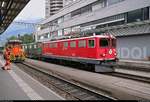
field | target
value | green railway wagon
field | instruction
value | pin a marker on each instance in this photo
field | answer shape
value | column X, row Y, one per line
column 33, row 50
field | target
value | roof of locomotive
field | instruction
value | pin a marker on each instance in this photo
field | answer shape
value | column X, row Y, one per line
column 80, row 38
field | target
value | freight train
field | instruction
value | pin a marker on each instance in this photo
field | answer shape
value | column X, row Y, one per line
column 99, row 50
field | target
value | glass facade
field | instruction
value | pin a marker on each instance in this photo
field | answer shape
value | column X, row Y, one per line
column 138, row 15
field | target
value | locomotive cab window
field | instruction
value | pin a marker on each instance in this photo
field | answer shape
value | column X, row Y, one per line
column 104, row 42
column 91, row 43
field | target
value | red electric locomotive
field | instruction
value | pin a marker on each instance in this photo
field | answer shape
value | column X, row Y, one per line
column 99, row 50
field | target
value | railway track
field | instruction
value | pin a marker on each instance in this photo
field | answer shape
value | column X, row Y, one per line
column 116, row 74
column 61, row 86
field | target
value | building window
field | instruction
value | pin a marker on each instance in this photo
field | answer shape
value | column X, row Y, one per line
column 111, row 2
column 67, row 16
column 75, row 29
column 67, row 31
column 146, row 13
column 60, row 32
column 103, row 22
column 91, row 43
column 98, row 5
column 60, row 20
column 134, row 16
column 48, row 35
column 65, row 44
column 76, row 13
column 82, row 44
column 73, row 44
column 86, row 9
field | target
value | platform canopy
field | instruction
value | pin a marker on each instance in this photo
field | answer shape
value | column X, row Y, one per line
column 9, row 9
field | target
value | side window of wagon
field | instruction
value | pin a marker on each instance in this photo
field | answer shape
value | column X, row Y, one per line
column 30, row 47
column 35, row 46
column 65, row 44
column 26, row 47
column 91, row 43
column 73, row 44
column 82, row 44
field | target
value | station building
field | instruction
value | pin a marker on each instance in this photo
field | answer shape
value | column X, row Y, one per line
column 128, row 20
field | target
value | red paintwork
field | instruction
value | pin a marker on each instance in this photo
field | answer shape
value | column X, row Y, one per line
column 96, row 53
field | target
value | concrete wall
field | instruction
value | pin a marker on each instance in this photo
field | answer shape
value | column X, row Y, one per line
column 134, row 47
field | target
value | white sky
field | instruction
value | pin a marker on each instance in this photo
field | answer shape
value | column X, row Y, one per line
column 35, row 9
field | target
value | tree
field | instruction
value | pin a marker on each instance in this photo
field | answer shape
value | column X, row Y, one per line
column 27, row 38
column 13, row 38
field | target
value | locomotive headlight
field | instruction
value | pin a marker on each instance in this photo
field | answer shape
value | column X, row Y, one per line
column 110, row 51
column 104, row 55
column 115, row 54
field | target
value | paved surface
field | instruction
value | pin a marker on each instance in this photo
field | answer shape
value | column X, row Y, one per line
column 17, row 85
column 117, row 87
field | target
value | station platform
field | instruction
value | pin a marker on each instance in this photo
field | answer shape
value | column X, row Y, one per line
column 17, row 85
